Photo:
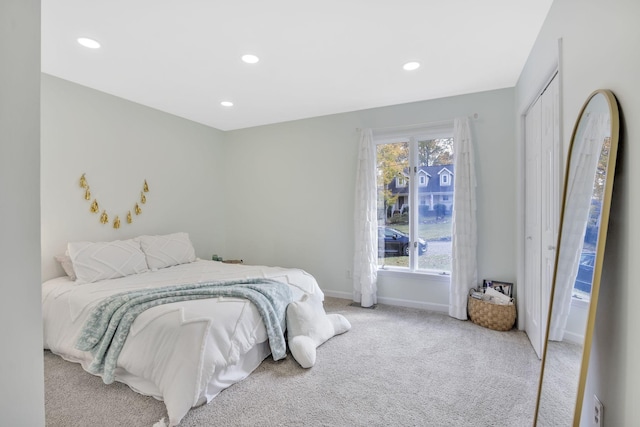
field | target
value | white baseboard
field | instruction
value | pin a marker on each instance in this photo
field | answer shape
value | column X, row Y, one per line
column 573, row 338
column 338, row 294
column 443, row 308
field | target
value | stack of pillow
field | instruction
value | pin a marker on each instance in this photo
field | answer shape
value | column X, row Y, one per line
column 87, row 262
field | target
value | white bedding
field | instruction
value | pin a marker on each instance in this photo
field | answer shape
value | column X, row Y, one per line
column 182, row 353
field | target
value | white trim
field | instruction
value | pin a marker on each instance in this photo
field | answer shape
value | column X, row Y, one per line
column 412, row 135
column 580, row 303
column 441, row 308
column 338, row 294
column 439, row 130
column 568, row 337
column 405, row 273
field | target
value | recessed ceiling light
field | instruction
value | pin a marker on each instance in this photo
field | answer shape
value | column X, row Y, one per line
column 90, row 43
column 226, row 104
column 250, row 59
column 410, row 66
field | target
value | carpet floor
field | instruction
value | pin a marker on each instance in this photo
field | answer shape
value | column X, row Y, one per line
column 395, row 367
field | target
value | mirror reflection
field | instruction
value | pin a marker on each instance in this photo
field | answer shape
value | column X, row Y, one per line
column 585, row 213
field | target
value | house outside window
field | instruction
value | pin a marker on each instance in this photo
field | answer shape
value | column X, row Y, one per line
column 414, row 212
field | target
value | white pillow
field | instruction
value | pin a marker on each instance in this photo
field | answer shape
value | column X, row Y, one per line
column 106, row 260
column 168, row 250
column 67, row 266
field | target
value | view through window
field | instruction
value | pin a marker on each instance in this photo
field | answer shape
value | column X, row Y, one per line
column 415, row 200
column 584, row 277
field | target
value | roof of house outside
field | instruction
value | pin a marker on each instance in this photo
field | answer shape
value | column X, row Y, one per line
column 433, row 185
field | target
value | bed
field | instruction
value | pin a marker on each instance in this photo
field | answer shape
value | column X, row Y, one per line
column 185, row 352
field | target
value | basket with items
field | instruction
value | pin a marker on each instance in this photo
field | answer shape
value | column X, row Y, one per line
column 492, row 305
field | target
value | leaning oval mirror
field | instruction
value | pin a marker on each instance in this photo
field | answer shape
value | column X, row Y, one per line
column 581, row 243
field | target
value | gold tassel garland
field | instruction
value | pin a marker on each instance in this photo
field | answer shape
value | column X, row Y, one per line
column 104, row 217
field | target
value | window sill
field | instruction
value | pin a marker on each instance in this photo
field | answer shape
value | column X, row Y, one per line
column 406, row 274
column 580, row 303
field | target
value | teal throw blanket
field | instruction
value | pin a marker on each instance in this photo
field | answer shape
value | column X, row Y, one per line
column 106, row 329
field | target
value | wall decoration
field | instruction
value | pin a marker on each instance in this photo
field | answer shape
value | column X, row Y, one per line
column 104, row 216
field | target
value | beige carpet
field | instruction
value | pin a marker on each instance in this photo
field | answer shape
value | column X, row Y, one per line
column 560, row 384
column 396, row 367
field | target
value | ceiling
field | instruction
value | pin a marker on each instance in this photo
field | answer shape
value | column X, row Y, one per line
column 316, row 57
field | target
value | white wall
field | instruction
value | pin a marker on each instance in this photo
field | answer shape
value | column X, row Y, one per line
column 119, row 144
column 21, row 364
column 292, row 185
column 600, row 44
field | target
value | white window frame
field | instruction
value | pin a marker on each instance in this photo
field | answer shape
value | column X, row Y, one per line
column 412, row 135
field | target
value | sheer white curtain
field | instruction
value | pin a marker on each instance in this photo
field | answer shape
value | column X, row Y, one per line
column 464, row 269
column 365, row 262
column 582, row 171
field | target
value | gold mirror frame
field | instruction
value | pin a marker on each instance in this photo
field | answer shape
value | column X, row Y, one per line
column 614, row 129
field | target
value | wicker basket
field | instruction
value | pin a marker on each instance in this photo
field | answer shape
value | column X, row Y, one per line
column 493, row 316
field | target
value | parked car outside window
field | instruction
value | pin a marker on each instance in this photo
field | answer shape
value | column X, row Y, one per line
column 392, row 242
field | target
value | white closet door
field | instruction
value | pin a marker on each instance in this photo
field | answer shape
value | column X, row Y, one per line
column 551, row 184
column 542, row 197
column 532, row 221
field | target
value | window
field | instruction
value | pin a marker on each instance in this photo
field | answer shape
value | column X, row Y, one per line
column 584, row 276
column 414, row 226
column 444, row 179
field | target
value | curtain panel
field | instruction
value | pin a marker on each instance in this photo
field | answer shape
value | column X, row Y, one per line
column 365, row 262
column 464, row 268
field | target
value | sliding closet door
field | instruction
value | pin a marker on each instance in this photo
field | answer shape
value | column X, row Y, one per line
column 542, row 197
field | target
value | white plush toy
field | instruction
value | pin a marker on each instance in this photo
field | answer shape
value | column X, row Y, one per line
column 309, row 326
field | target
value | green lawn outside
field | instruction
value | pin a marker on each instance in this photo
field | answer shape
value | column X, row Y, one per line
column 437, row 262
column 431, row 231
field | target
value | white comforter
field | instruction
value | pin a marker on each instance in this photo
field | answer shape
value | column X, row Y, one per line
column 182, row 353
